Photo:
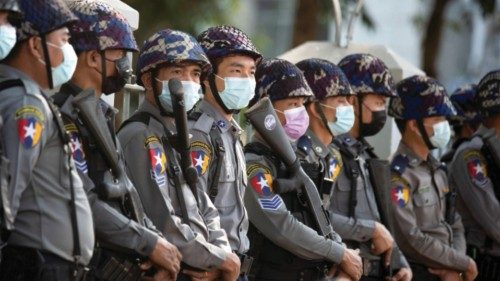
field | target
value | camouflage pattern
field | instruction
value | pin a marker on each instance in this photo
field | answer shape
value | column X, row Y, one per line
column 43, row 16
column 368, row 75
column 488, row 94
column 168, row 47
column 420, row 97
column 279, row 79
column 325, row 79
column 223, row 40
column 463, row 101
column 100, row 27
column 10, row 5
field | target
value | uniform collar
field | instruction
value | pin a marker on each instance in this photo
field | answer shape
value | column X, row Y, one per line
column 150, row 108
column 221, row 122
column 10, row 72
column 319, row 148
column 413, row 159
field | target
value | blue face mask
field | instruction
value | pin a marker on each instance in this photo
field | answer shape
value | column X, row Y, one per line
column 7, row 39
column 237, row 92
column 344, row 119
column 192, row 94
column 442, row 133
column 63, row 72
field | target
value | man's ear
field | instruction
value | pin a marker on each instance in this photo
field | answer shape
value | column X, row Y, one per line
column 35, row 48
column 412, row 126
column 92, row 59
column 147, row 81
column 312, row 111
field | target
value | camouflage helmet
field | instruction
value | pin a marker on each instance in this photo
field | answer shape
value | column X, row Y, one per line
column 223, row 40
column 280, row 79
column 488, row 94
column 368, row 74
column 170, row 46
column 42, row 17
column 325, row 79
column 100, row 27
column 10, row 5
column 463, row 101
column 420, row 97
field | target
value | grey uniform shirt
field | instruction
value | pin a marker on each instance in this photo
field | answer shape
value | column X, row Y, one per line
column 232, row 179
column 359, row 228
column 269, row 214
column 202, row 242
column 476, row 201
column 112, row 228
column 418, row 190
column 39, row 190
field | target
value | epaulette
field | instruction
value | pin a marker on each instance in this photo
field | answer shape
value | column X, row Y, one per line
column 345, row 140
column 203, row 123
column 304, row 144
column 399, row 163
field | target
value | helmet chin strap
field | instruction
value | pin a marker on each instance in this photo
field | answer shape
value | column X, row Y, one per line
column 215, row 93
column 48, row 66
column 423, row 133
column 322, row 116
column 157, row 93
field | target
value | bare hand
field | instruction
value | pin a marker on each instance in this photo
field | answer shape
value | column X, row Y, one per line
column 404, row 274
column 382, row 242
column 446, row 274
column 471, row 272
column 166, row 256
column 230, row 267
column 352, row 264
column 203, row 275
column 160, row 275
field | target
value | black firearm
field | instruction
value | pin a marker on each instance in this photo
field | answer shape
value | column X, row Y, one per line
column 380, row 178
column 115, row 184
column 181, row 140
column 264, row 120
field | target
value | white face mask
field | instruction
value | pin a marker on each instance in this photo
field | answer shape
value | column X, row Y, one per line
column 192, row 94
column 344, row 115
column 237, row 91
column 7, row 39
column 63, row 72
column 442, row 134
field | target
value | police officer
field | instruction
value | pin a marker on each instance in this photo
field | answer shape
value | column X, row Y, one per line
column 9, row 16
column 192, row 226
column 353, row 208
column 467, row 120
column 102, row 37
column 427, row 228
column 217, row 151
column 45, row 206
column 474, row 174
column 285, row 243
column 330, row 115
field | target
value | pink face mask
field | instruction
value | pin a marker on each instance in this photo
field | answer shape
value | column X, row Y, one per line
column 297, row 122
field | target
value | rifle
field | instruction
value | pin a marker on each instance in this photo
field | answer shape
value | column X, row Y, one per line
column 264, row 120
column 380, row 178
column 115, row 183
column 181, row 139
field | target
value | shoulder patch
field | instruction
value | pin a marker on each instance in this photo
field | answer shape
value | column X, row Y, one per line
column 200, row 156
column 77, row 148
column 29, row 125
column 400, row 191
column 157, row 159
column 304, row 144
column 334, row 164
column 476, row 167
column 399, row 164
column 261, row 181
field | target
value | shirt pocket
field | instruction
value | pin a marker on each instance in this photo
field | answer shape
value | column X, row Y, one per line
column 426, row 207
column 341, row 195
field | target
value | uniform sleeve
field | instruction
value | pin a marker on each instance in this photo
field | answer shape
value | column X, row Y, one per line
column 202, row 157
column 269, row 214
column 147, row 171
column 216, row 235
column 360, row 230
column 469, row 176
column 27, row 126
column 458, row 229
column 431, row 251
